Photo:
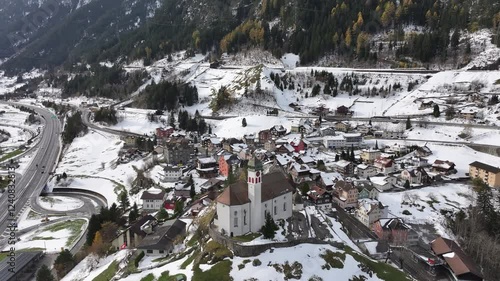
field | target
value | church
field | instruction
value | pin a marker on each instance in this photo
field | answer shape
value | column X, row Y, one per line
column 242, row 207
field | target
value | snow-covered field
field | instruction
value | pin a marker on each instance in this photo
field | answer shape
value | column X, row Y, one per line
column 51, row 238
column 29, row 218
column 232, row 127
column 136, row 121
column 60, row 203
column 92, row 159
column 425, row 204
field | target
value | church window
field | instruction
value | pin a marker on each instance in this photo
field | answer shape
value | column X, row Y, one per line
column 244, row 217
column 275, row 210
column 284, row 206
column 235, row 218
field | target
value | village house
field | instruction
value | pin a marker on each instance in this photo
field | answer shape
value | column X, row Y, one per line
column 384, row 165
column 342, row 111
column 392, row 134
column 370, row 211
column 443, row 167
column 383, row 183
column 265, row 136
column 172, row 173
column 152, row 199
column 342, row 126
column 468, row 113
column 133, row 235
column 212, row 184
column 207, row 167
column 277, row 131
column 417, row 161
column 270, row 145
column 346, row 194
column 161, row 241
column 398, row 149
column 364, row 171
column 214, row 144
column 423, row 151
column 426, row 105
column 369, row 155
column 163, row 133
column 363, row 129
column 285, row 148
column 327, row 131
column 249, row 139
column 299, row 173
column 182, row 190
column 228, row 162
column 178, row 152
column 328, row 180
column 334, row 141
column 242, row 207
column 129, row 141
column 283, row 160
column 307, row 160
column 319, row 198
column 353, row 139
column 460, row 264
column 487, row 173
column 365, row 189
column 415, row 176
column 395, row 231
column 343, row 167
column 298, row 145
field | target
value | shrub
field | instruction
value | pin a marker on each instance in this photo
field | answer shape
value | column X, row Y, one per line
column 256, row 262
column 406, row 212
column 138, row 259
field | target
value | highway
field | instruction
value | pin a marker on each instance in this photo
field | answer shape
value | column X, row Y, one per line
column 35, row 177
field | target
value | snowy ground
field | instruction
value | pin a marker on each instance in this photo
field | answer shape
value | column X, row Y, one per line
column 50, row 238
column 232, row 127
column 425, row 204
column 92, row 160
column 29, row 218
column 60, row 203
column 308, row 255
column 136, row 121
column 91, row 266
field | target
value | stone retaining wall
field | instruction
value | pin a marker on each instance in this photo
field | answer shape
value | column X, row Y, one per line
column 254, row 250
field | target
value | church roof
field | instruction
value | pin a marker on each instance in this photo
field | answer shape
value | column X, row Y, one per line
column 235, row 194
column 273, row 185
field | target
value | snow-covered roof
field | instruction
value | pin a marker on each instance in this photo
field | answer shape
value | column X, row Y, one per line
column 283, row 159
column 328, row 178
column 336, row 137
column 207, row 160
column 342, row 163
column 306, row 159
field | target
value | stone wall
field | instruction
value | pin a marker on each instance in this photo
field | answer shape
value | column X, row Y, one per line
column 254, row 250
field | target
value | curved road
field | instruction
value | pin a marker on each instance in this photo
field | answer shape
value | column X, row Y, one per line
column 88, row 123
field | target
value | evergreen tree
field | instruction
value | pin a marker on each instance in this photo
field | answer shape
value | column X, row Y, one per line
column 210, row 129
column 270, row 227
column 244, row 122
column 337, row 158
column 64, row 263
column 352, row 154
column 44, row 274
column 179, row 207
column 407, row 184
column 94, row 226
column 343, row 155
column 162, row 214
column 124, row 202
column 408, row 123
column 376, row 144
column 370, row 122
column 133, row 214
column 436, row 113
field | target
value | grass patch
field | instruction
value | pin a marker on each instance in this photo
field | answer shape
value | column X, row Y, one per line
column 149, row 277
column 107, row 274
column 333, row 259
column 3, row 256
column 382, row 270
column 11, row 154
column 34, row 249
column 215, row 252
column 247, row 237
column 74, row 226
column 219, row 272
column 193, row 240
column 4, row 182
column 497, row 82
column 43, row 238
column 189, row 260
column 165, row 276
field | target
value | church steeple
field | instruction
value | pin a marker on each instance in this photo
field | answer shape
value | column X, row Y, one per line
column 254, row 164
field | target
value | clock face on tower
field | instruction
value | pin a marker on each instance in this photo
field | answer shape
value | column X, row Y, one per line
column 257, row 174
